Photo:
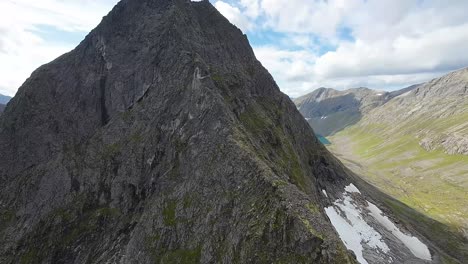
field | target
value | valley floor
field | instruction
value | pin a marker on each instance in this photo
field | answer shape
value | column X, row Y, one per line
column 433, row 183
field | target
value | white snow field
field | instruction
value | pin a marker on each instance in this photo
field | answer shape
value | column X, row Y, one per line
column 419, row 249
column 348, row 218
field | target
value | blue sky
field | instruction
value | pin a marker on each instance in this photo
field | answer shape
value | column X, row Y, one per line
column 305, row 44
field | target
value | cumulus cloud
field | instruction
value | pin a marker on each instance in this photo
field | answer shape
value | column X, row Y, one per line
column 234, row 15
column 296, row 73
column 300, row 16
column 21, row 53
column 305, row 44
column 23, row 48
column 389, row 43
column 291, row 65
column 439, row 50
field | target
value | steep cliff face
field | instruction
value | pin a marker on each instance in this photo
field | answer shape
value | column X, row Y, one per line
column 161, row 137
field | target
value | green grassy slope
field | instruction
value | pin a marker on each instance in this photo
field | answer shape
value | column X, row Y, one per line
column 415, row 148
column 432, row 182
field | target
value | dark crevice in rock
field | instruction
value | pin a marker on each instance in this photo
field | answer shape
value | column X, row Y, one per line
column 102, row 96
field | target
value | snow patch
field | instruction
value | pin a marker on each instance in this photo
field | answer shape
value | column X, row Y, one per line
column 353, row 230
column 323, row 117
column 348, row 235
column 417, row 108
column 325, row 193
column 404, row 94
column 351, row 188
column 419, row 249
column 349, row 220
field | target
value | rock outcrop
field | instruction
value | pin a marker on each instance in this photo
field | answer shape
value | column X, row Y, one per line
column 162, row 139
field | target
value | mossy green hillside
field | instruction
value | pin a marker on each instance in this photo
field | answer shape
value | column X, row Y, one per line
column 275, row 146
column 433, row 182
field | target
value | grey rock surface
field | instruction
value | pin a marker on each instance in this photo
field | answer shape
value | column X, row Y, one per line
column 162, row 139
column 329, row 111
column 436, row 112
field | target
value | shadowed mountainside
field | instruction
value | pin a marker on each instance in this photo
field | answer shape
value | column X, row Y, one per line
column 161, row 138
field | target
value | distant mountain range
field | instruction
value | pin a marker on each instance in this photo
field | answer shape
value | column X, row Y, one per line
column 329, row 111
column 435, row 113
column 162, row 139
column 412, row 143
column 3, row 101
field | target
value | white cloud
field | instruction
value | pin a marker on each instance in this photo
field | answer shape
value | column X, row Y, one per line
column 290, row 64
column 23, row 49
column 252, row 8
column 394, row 42
column 298, row 72
column 22, row 52
column 290, row 68
column 301, row 16
column 234, row 15
column 69, row 15
column 382, row 44
column 437, row 50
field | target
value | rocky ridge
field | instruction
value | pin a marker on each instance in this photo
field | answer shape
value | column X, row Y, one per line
column 155, row 140
column 436, row 113
column 329, row 111
column 161, row 138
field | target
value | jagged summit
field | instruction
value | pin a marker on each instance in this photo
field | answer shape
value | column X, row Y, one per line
column 161, row 139
column 123, row 59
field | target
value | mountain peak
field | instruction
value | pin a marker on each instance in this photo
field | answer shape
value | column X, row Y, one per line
column 161, row 137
